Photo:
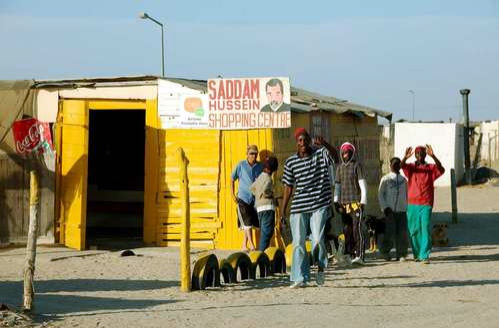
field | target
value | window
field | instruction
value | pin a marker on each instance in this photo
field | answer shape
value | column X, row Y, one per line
column 320, row 125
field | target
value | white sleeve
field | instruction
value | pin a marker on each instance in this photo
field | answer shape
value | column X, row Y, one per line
column 363, row 191
column 337, row 192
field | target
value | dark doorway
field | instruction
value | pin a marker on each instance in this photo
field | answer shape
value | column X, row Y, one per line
column 115, row 194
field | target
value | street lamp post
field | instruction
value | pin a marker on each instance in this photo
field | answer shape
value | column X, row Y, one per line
column 146, row 16
column 413, row 102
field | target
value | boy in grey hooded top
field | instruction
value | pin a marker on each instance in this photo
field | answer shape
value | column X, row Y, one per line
column 392, row 195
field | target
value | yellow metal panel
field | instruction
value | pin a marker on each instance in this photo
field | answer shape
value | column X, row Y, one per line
column 151, row 187
column 174, row 186
column 73, row 169
column 176, row 228
column 197, row 210
column 116, row 104
column 59, row 224
column 198, row 224
column 196, row 196
column 194, row 236
column 202, row 149
column 208, row 244
column 234, row 145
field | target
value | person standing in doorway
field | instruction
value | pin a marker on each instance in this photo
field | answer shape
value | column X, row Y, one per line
column 421, row 177
column 306, row 173
column 246, row 172
column 392, row 195
column 350, row 199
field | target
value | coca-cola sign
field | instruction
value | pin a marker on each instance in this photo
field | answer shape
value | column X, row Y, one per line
column 32, row 135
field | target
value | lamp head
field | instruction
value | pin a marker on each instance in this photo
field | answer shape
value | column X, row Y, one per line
column 143, row 15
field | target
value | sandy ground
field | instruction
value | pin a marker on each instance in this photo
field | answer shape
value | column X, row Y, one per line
column 460, row 288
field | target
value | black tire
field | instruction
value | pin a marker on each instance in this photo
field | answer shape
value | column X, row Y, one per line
column 277, row 260
column 206, row 273
column 227, row 272
column 260, row 261
column 242, row 263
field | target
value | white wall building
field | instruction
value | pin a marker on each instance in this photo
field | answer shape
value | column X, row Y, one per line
column 445, row 138
column 489, row 153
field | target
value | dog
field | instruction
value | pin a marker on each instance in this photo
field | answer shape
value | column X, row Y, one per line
column 439, row 235
column 375, row 227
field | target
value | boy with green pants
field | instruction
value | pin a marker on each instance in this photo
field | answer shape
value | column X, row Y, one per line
column 421, row 177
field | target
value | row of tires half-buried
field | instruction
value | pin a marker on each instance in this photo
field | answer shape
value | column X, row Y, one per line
column 208, row 271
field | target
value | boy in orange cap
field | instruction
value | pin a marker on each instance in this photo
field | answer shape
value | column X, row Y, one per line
column 420, row 196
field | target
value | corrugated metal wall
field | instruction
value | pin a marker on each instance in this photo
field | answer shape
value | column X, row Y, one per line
column 363, row 132
column 14, row 200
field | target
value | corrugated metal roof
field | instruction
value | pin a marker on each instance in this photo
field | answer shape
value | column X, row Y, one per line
column 302, row 101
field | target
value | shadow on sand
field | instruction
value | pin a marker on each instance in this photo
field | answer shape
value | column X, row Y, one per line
column 472, row 229
column 48, row 306
column 431, row 284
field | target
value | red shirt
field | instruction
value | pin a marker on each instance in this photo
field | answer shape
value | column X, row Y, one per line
column 420, row 180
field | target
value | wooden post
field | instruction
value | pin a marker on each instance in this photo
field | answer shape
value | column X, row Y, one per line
column 185, row 248
column 453, row 191
column 29, row 263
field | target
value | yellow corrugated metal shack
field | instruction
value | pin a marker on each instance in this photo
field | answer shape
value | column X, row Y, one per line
column 117, row 171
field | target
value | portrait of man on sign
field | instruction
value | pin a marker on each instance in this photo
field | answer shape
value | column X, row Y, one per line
column 274, row 90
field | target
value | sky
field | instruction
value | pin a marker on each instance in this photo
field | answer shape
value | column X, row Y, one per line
column 368, row 52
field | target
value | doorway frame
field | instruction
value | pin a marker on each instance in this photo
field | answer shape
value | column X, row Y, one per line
column 151, row 172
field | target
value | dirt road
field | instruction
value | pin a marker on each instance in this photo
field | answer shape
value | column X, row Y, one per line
column 459, row 288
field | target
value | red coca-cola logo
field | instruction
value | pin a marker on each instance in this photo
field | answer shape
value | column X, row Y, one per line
column 29, row 134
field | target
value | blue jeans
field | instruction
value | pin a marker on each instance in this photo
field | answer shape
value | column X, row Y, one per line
column 300, row 267
column 267, row 224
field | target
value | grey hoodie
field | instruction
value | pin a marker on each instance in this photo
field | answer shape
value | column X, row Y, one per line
column 392, row 192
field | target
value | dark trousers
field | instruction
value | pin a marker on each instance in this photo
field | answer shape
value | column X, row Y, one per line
column 267, row 225
column 395, row 233
column 355, row 233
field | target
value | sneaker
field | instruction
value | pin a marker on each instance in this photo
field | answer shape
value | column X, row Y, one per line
column 425, row 261
column 385, row 257
column 358, row 260
column 298, row 284
column 402, row 259
column 320, row 279
column 348, row 259
column 343, row 261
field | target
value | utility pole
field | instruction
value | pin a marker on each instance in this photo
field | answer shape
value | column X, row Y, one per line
column 413, row 103
column 466, row 122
